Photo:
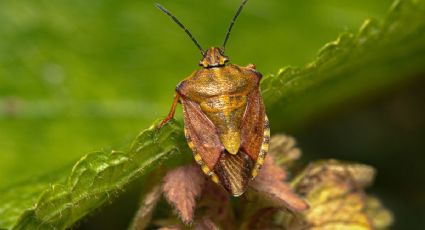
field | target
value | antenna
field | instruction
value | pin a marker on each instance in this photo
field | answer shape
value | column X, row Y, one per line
column 233, row 23
column 181, row 26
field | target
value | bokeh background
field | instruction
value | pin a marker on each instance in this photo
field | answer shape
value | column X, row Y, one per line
column 79, row 76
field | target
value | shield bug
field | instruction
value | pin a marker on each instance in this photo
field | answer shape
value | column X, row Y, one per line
column 225, row 123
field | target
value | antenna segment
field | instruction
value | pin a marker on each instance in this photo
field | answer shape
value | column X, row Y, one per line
column 233, row 23
column 181, row 26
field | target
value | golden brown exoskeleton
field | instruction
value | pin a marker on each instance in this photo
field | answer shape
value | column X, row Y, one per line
column 224, row 119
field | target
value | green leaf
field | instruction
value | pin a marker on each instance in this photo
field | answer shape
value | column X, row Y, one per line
column 355, row 66
column 93, row 181
column 344, row 70
column 14, row 201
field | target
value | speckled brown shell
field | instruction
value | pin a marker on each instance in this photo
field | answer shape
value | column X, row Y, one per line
column 225, row 123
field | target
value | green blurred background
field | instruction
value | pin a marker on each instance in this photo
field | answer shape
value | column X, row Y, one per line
column 78, row 76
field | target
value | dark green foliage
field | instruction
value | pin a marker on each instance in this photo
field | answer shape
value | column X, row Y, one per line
column 94, row 180
column 380, row 56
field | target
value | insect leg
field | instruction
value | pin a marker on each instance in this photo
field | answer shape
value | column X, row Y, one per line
column 172, row 111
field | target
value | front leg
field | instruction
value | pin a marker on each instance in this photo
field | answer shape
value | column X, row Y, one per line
column 172, row 111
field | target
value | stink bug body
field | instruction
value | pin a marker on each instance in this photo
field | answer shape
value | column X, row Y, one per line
column 224, row 117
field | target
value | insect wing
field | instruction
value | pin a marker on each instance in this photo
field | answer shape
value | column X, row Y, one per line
column 202, row 137
column 255, row 131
